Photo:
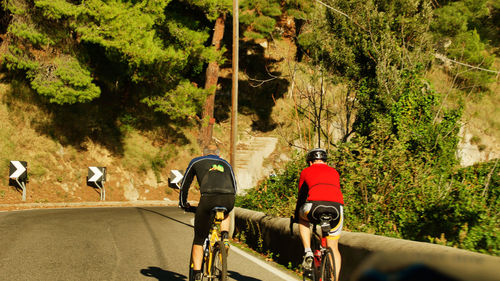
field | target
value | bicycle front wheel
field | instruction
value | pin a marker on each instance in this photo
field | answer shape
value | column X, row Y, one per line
column 219, row 262
column 328, row 266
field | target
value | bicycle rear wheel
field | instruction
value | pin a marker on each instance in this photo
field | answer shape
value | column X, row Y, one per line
column 219, row 262
column 328, row 266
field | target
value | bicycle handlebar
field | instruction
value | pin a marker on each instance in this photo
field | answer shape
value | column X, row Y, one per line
column 188, row 208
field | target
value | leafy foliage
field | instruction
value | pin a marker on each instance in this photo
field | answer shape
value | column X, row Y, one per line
column 65, row 47
column 468, row 47
column 399, row 171
column 258, row 17
column 390, row 192
column 455, row 27
column 212, row 8
column 277, row 194
column 185, row 94
column 65, row 81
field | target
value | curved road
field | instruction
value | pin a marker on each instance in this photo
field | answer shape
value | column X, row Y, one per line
column 129, row 243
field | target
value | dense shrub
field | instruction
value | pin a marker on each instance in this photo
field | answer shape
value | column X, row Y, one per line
column 277, row 194
column 391, row 193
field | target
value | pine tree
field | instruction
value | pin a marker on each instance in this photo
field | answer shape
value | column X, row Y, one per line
column 71, row 51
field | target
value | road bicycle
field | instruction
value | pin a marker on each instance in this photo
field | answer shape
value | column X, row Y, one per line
column 323, row 266
column 214, row 263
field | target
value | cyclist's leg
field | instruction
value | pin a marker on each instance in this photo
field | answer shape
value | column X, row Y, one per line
column 334, row 245
column 305, row 233
column 201, row 229
column 304, row 226
column 227, row 201
column 333, row 240
column 197, row 254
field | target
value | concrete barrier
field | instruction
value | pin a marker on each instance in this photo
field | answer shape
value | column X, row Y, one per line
column 367, row 256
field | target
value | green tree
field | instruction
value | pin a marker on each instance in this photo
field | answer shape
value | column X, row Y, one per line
column 455, row 28
column 259, row 18
column 71, row 51
column 399, row 171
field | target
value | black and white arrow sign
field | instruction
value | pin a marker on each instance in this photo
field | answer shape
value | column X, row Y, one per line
column 18, row 170
column 97, row 174
column 175, row 176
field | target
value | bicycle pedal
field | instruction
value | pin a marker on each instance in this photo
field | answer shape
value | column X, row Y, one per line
column 308, row 273
column 307, row 263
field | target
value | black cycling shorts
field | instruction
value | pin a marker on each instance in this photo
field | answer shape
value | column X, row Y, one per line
column 312, row 210
column 202, row 219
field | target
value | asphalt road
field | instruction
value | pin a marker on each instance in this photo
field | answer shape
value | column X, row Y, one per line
column 129, row 243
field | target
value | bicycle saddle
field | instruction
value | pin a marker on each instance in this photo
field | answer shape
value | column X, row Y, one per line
column 324, row 221
column 219, row 213
column 219, row 209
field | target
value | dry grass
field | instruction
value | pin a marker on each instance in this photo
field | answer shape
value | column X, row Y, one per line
column 57, row 172
column 138, row 152
column 19, row 141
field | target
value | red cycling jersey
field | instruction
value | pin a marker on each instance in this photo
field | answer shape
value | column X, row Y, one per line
column 323, row 183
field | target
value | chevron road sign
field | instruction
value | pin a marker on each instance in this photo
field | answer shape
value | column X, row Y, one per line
column 18, row 175
column 96, row 174
column 18, row 170
column 96, row 178
column 175, row 178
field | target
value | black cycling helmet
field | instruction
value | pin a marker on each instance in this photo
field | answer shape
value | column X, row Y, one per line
column 316, row 154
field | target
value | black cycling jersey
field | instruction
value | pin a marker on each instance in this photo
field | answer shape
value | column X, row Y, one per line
column 214, row 176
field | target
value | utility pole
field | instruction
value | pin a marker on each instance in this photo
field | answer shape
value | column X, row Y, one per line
column 234, row 91
column 234, row 100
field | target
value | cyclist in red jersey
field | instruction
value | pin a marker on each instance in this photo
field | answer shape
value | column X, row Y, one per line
column 319, row 192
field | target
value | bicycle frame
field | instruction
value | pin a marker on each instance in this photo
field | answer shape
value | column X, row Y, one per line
column 320, row 250
column 213, row 237
column 318, row 254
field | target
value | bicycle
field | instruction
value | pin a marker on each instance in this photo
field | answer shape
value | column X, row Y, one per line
column 323, row 266
column 214, row 263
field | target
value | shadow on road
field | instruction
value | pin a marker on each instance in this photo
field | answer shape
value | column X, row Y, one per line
column 236, row 276
column 170, row 218
column 163, row 275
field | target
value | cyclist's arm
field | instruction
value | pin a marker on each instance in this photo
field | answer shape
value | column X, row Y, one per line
column 232, row 176
column 235, row 186
column 301, row 196
column 186, row 183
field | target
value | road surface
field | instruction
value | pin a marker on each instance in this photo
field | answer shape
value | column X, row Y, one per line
column 129, row 243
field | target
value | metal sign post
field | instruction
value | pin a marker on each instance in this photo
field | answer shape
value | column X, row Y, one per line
column 96, row 178
column 18, row 172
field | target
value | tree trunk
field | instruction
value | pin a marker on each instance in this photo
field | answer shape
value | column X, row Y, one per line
column 211, row 77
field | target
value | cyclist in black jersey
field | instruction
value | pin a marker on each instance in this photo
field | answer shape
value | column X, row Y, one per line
column 217, row 184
